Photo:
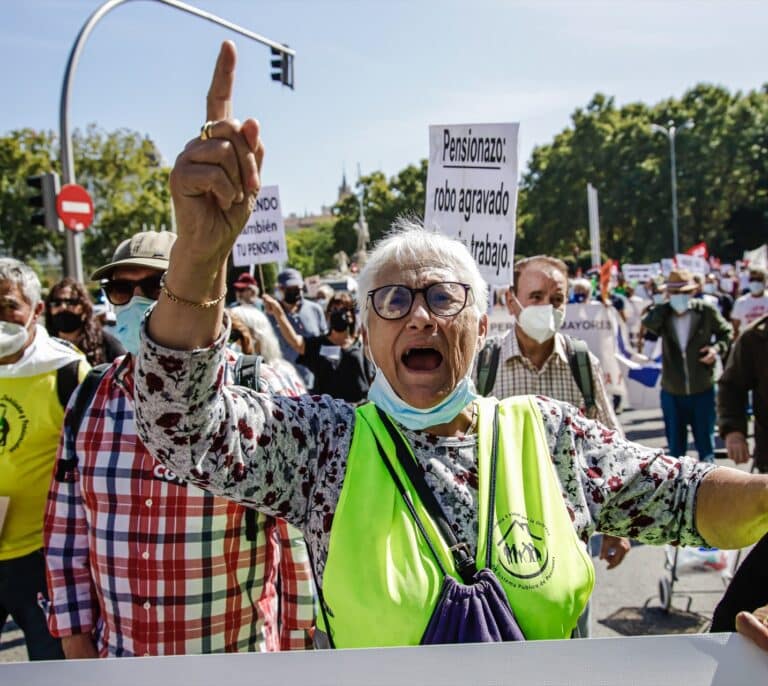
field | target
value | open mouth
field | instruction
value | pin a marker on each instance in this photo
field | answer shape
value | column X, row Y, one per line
column 422, row 359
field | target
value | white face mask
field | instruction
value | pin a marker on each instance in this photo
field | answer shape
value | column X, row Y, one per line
column 679, row 302
column 540, row 322
column 658, row 298
column 13, row 336
column 726, row 285
column 756, row 287
column 708, row 288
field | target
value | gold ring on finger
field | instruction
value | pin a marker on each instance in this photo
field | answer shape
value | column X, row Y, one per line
column 205, row 130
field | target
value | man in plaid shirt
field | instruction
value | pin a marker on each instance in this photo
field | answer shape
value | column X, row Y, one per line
column 141, row 563
column 533, row 359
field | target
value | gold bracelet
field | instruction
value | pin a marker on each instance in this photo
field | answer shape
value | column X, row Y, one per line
column 180, row 301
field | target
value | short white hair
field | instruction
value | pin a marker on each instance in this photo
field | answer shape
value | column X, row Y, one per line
column 23, row 276
column 410, row 243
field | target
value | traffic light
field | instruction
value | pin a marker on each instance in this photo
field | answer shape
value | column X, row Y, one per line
column 46, row 188
column 282, row 67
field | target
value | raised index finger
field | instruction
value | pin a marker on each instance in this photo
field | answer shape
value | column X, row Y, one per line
column 219, row 101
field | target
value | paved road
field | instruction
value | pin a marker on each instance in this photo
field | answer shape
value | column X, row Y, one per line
column 620, row 595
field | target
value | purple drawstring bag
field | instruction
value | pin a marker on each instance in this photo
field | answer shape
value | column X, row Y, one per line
column 478, row 610
column 477, row 613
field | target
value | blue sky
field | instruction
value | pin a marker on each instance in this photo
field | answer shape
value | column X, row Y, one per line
column 371, row 75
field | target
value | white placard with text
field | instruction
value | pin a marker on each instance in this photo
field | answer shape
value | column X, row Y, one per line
column 263, row 238
column 472, row 192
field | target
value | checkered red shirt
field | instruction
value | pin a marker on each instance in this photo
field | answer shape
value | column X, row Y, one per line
column 154, row 566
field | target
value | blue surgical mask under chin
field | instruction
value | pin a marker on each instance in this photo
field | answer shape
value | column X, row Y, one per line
column 129, row 318
column 385, row 398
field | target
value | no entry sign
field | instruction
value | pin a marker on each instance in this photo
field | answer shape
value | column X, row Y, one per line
column 74, row 207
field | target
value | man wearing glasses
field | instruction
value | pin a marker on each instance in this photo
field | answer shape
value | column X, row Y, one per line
column 140, row 562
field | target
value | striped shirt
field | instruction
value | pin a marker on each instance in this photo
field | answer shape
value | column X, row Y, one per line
column 151, row 565
column 517, row 375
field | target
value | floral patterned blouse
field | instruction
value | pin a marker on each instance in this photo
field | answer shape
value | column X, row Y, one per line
column 287, row 456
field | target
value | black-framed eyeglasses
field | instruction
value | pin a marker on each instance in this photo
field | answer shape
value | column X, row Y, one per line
column 61, row 302
column 443, row 299
column 120, row 291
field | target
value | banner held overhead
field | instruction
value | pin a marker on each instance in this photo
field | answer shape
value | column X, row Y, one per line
column 472, row 192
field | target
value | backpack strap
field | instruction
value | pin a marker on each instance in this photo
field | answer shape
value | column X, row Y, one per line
column 85, row 396
column 581, row 368
column 67, row 381
column 247, row 370
column 65, row 468
column 487, row 366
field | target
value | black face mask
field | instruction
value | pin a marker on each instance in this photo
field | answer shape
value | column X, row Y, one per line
column 340, row 320
column 291, row 297
column 66, row 321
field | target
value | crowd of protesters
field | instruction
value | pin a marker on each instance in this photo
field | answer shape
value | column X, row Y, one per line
column 74, row 593
column 149, row 469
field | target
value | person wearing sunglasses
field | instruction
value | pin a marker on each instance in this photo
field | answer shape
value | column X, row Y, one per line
column 432, row 515
column 139, row 562
column 336, row 359
column 69, row 315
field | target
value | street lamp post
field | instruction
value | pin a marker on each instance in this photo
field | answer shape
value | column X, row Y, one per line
column 670, row 131
column 74, row 259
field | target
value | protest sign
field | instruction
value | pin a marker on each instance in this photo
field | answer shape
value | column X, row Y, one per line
column 640, row 273
column 690, row 659
column 499, row 320
column 693, row 263
column 667, row 265
column 757, row 257
column 472, row 192
column 263, row 238
column 597, row 324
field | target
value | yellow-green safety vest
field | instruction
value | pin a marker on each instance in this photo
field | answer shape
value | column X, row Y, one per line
column 381, row 582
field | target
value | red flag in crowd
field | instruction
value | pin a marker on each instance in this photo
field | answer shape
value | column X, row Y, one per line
column 605, row 278
column 698, row 250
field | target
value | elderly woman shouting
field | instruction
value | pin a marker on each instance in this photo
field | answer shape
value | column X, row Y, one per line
column 432, row 515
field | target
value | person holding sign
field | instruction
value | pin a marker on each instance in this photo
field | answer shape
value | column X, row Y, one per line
column 336, row 359
column 432, row 515
column 305, row 316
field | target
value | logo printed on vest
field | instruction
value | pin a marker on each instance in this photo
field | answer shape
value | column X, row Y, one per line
column 523, row 555
column 13, row 424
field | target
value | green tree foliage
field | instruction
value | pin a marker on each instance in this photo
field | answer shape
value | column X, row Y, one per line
column 722, row 177
column 383, row 201
column 311, row 250
column 122, row 171
column 24, row 153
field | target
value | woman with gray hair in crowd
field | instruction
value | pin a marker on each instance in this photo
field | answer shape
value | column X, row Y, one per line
column 432, row 515
column 261, row 340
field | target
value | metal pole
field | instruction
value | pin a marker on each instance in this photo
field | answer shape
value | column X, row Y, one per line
column 673, row 172
column 74, row 260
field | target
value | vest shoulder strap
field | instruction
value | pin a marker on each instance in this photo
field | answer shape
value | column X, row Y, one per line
column 85, row 396
column 581, row 368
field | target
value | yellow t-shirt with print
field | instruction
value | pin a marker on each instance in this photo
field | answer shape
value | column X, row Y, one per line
column 31, row 417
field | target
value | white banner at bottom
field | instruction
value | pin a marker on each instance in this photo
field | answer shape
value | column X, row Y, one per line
column 693, row 660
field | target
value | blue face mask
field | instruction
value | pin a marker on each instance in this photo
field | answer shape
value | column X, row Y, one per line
column 129, row 318
column 384, row 397
column 679, row 302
